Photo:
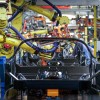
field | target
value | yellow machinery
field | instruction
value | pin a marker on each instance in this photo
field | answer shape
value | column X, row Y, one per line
column 50, row 14
column 5, row 11
column 3, row 18
column 5, row 49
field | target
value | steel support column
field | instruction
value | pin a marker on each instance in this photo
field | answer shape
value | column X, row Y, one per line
column 95, row 31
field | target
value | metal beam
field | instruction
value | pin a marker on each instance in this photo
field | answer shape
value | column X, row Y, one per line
column 78, row 10
column 95, row 30
column 71, row 2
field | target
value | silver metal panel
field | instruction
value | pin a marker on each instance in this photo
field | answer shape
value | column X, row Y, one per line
column 71, row 2
column 98, row 46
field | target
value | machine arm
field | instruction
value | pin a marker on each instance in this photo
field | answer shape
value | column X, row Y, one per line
column 16, row 42
column 52, row 15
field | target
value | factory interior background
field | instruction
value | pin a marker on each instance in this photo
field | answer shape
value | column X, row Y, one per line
column 50, row 49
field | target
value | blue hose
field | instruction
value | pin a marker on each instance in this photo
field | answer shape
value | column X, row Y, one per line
column 15, row 14
column 53, row 6
column 33, row 46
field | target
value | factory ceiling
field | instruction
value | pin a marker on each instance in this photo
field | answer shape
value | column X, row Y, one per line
column 71, row 2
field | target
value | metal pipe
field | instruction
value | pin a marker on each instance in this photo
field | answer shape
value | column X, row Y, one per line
column 96, row 74
column 13, row 76
column 86, row 37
